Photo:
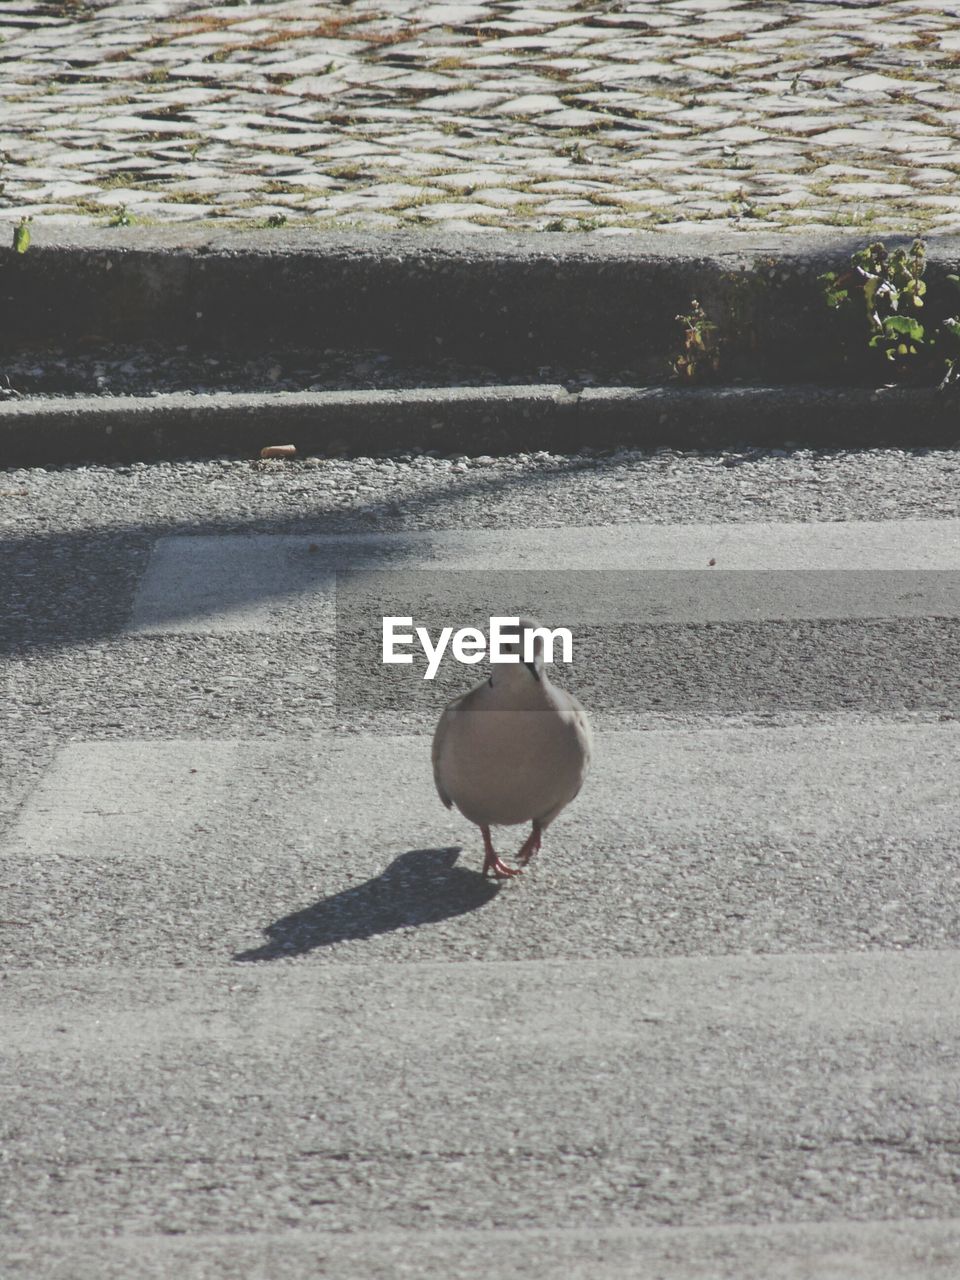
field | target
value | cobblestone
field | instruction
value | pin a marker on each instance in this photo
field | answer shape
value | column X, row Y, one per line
column 601, row 117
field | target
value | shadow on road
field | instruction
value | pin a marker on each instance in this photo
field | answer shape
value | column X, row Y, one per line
column 422, row 886
column 60, row 590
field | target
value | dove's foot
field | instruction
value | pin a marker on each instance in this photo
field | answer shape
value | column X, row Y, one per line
column 530, row 846
column 493, row 862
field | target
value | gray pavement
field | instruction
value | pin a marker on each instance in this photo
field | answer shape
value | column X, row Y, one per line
column 262, row 1015
column 692, row 115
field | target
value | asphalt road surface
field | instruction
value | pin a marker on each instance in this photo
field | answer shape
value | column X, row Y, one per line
column 262, row 1016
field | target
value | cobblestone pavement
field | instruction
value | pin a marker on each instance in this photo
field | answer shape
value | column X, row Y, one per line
column 557, row 115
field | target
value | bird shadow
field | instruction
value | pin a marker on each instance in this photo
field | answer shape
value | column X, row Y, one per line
column 421, row 886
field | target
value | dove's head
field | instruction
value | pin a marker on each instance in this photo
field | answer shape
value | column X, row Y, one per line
column 519, row 641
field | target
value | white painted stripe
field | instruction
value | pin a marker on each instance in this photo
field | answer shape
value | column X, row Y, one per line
column 790, row 788
column 232, row 583
column 890, row 1249
column 237, row 582
column 704, row 1091
column 857, row 991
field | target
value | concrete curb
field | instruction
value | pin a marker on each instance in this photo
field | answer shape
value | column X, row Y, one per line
column 512, row 303
column 475, row 419
column 532, row 311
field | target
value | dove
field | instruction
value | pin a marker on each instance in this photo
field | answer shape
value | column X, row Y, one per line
column 514, row 749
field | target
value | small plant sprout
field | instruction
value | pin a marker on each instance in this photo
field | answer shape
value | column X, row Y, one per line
column 890, row 288
column 21, row 235
column 121, row 217
column 276, row 220
column 950, row 331
column 700, row 357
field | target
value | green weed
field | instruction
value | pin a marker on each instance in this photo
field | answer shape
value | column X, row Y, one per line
column 699, row 360
column 889, row 291
column 21, row 235
column 121, row 217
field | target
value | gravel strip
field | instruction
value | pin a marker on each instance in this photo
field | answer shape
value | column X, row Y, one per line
column 424, row 491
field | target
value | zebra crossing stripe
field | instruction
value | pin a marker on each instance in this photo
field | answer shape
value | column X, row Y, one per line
column 808, row 785
column 258, row 582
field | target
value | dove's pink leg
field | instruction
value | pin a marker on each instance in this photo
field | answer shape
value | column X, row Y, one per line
column 530, row 846
column 491, row 859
